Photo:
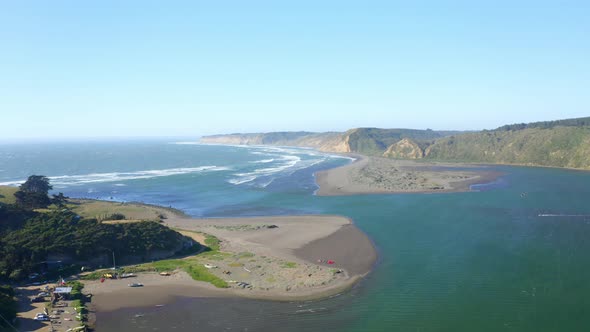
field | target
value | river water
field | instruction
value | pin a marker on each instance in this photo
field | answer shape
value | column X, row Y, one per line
column 494, row 259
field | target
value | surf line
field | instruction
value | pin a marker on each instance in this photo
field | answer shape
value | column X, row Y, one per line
column 564, row 215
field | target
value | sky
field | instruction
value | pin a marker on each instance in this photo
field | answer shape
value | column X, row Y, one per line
column 172, row 68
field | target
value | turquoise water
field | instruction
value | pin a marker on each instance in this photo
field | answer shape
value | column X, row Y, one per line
column 490, row 260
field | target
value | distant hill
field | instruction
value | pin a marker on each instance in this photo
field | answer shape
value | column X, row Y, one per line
column 369, row 141
column 556, row 146
column 561, row 143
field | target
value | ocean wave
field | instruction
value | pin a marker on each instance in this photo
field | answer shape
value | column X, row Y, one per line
column 72, row 180
column 263, row 161
column 286, row 162
column 564, row 215
column 286, row 166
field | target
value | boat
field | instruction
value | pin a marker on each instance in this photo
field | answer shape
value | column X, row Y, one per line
column 135, row 284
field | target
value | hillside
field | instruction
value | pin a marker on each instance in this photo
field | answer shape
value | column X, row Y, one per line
column 560, row 143
column 369, row 141
column 557, row 146
column 30, row 241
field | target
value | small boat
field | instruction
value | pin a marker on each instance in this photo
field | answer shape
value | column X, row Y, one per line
column 210, row 266
column 165, row 274
column 135, row 284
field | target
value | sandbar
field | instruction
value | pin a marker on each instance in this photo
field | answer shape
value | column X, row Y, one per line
column 284, row 258
column 376, row 175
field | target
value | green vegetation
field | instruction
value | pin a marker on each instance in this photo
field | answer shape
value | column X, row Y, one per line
column 289, row 265
column 66, row 234
column 192, row 265
column 577, row 122
column 374, row 141
column 561, row 143
column 8, row 306
column 558, row 146
column 79, row 300
column 28, row 238
column 7, row 195
column 212, row 242
column 101, row 210
column 370, row 141
column 33, row 194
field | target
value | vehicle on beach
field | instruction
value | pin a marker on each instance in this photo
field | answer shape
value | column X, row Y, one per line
column 37, row 299
column 41, row 317
column 135, row 284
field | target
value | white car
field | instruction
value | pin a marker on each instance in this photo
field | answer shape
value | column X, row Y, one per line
column 41, row 316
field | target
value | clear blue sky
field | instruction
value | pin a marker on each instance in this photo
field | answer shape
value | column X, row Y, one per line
column 143, row 68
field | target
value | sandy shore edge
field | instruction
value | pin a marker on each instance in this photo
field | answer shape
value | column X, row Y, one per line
column 377, row 175
column 302, row 240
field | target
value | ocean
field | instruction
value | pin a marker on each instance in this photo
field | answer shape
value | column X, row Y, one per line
column 487, row 260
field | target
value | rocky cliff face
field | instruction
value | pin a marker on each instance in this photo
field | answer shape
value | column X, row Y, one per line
column 327, row 142
column 404, row 149
column 561, row 143
column 369, row 141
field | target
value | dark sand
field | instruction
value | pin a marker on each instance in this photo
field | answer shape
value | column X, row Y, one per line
column 357, row 257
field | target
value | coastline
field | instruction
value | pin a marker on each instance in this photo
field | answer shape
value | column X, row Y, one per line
column 293, row 249
column 377, row 175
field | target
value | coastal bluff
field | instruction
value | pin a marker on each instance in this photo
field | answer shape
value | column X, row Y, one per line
column 560, row 143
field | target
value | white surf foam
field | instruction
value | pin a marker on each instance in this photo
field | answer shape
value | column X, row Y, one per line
column 263, row 161
column 286, row 162
column 564, row 215
column 72, row 180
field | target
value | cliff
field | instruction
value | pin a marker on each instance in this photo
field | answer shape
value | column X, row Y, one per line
column 561, row 143
column 404, row 149
column 369, row 141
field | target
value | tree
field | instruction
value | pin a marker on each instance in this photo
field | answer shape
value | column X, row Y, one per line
column 59, row 199
column 33, row 194
column 36, row 184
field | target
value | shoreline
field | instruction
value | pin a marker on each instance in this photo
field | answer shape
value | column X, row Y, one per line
column 377, row 175
column 293, row 242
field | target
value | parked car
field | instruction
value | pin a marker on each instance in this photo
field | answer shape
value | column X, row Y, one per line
column 37, row 299
column 41, row 316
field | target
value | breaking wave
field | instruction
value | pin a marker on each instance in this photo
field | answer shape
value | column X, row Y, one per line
column 73, row 180
column 285, row 162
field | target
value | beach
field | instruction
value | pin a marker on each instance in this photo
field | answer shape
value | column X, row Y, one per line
column 283, row 258
column 373, row 175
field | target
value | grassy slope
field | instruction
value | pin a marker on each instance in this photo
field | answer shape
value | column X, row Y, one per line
column 559, row 146
column 374, row 141
column 99, row 209
column 7, row 194
column 193, row 265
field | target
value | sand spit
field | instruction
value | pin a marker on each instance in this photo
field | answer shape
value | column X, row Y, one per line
column 375, row 175
column 283, row 258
